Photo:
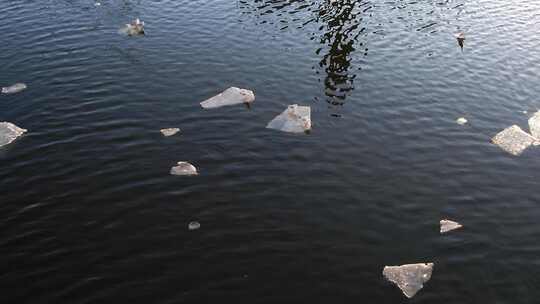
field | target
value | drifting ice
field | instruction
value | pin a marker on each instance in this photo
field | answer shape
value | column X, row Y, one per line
column 513, row 140
column 448, row 225
column 12, row 89
column 169, row 131
column 9, row 132
column 295, row 119
column 230, row 96
column 184, row 168
column 410, row 278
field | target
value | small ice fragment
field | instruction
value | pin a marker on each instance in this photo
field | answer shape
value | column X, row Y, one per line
column 295, row 119
column 460, row 35
column 184, row 168
column 169, row 131
column 97, row 4
column 513, row 140
column 448, row 225
column 12, row 89
column 534, row 125
column 9, row 132
column 230, row 96
column 136, row 27
column 194, row 225
column 410, row 278
column 461, row 121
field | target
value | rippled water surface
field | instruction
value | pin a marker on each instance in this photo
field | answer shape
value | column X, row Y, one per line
column 90, row 214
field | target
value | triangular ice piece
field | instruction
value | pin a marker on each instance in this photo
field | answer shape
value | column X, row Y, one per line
column 448, row 225
column 230, row 96
column 410, row 278
column 295, row 119
column 9, row 132
column 513, row 140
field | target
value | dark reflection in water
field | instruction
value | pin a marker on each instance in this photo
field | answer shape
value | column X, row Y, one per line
column 341, row 27
column 339, row 32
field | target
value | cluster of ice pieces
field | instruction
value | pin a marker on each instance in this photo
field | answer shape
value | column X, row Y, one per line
column 12, row 89
column 514, row 140
column 9, row 132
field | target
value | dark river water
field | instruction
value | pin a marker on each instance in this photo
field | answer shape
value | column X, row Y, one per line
column 90, row 214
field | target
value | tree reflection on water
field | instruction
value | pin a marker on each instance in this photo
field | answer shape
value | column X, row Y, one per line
column 339, row 28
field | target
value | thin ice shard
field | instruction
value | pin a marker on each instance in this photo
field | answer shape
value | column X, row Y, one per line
column 169, row 131
column 513, row 140
column 9, row 132
column 12, row 89
column 410, row 278
column 534, row 125
column 448, row 225
column 184, row 168
column 295, row 119
column 230, row 96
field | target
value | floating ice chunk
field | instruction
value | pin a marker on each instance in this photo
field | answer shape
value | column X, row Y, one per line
column 9, row 132
column 410, row 278
column 461, row 121
column 169, row 131
column 230, row 96
column 136, row 27
column 448, row 225
column 534, row 125
column 295, row 119
column 184, row 168
column 12, row 89
column 194, row 225
column 513, row 140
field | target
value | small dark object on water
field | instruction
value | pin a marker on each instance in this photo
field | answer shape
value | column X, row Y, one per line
column 460, row 38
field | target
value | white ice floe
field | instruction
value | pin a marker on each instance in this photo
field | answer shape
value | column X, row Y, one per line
column 184, row 168
column 448, row 225
column 230, row 96
column 295, row 119
column 513, row 140
column 169, row 131
column 12, row 89
column 534, row 125
column 9, row 132
column 410, row 278
column 461, row 121
column 136, row 27
column 194, row 225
